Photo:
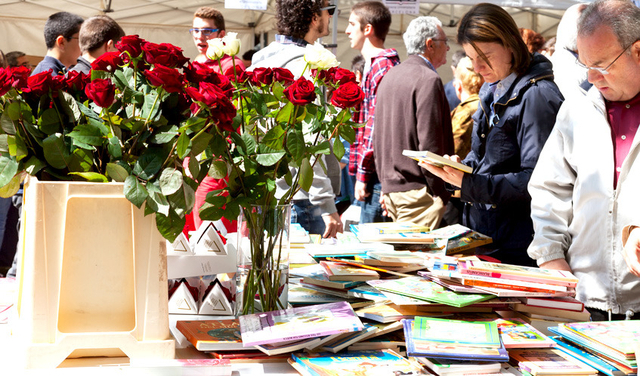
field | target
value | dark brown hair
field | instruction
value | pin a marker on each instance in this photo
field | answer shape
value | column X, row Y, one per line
column 293, row 17
column 98, row 30
column 209, row 13
column 376, row 14
column 489, row 23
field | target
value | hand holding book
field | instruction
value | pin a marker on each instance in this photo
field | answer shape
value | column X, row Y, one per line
column 447, row 168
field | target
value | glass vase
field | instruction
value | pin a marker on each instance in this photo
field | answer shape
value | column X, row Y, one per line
column 262, row 259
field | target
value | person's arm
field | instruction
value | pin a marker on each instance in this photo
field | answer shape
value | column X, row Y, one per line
column 321, row 194
column 631, row 251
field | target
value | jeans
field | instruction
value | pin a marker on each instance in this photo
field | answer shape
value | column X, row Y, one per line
column 308, row 216
column 371, row 207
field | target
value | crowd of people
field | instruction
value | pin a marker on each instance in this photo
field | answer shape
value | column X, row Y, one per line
column 548, row 128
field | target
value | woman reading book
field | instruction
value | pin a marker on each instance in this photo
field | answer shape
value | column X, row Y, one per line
column 518, row 106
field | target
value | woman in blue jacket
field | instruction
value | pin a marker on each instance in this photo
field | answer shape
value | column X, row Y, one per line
column 518, row 106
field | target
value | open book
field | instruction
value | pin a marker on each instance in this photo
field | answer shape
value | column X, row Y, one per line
column 436, row 160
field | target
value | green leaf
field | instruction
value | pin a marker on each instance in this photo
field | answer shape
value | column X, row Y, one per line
column 81, row 161
column 182, row 145
column 322, row 148
column 338, row 148
column 274, row 138
column 210, row 212
column 134, row 191
column 91, row 176
column 151, row 106
column 194, row 167
column 156, row 200
column 88, row 112
column 170, row 226
column 114, row 148
column 218, row 169
column 269, row 158
column 278, row 90
column 70, row 106
column 56, row 152
column 348, row 133
column 285, row 113
column 170, row 181
column 306, row 174
column 117, row 172
column 296, row 144
column 249, row 142
column 49, row 121
column 16, row 147
column 13, row 186
column 8, row 169
column 200, row 142
column 88, row 134
column 164, row 136
column 4, row 143
column 7, row 124
column 33, row 165
column 148, row 164
column 13, row 111
column 183, row 200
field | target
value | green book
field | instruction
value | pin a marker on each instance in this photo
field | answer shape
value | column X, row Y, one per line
column 423, row 289
column 476, row 333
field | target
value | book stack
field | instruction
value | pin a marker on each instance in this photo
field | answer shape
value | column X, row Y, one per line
column 545, row 312
column 383, row 362
column 517, row 334
column 613, row 342
column 457, row 239
column 344, row 245
column 454, row 339
column 315, row 277
column 392, row 232
column 541, row 362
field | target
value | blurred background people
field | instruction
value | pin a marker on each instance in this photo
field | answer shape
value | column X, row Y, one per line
column 449, row 90
column 17, row 59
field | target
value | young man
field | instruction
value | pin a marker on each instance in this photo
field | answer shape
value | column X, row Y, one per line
column 299, row 23
column 17, row 59
column 63, row 48
column 208, row 23
column 98, row 35
column 368, row 27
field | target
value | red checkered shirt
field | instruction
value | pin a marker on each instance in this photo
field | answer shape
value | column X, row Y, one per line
column 361, row 162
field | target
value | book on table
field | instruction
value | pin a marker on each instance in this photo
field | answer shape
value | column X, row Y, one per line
column 379, row 228
column 540, row 362
column 445, row 367
column 298, row 323
column 346, row 339
column 436, row 160
column 504, row 270
column 446, row 331
column 589, row 358
column 288, row 347
column 567, row 303
column 621, row 336
column 517, row 334
column 341, row 272
column 305, row 295
column 316, row 275
column 528, row 310
column 383, row 362
column 208, row 335
column 394, row 238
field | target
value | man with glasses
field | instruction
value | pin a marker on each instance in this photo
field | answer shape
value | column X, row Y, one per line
column 17, row 59
column 301, row 23
column 368, row 27
column 63, row 48
column 585, row 186
column 208, row 23
column 412, row 113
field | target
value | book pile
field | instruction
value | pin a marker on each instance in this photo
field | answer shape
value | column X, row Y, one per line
column 344, row 245
column 540, row 362
column 546, row 312
column 608, row 346
column 382, row 362
column 392, row 232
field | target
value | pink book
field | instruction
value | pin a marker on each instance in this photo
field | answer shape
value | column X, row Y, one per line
column 519, row 273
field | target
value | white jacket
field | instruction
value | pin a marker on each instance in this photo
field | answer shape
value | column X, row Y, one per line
column 577, row 214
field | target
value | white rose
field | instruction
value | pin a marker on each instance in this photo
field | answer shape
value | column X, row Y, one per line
column 319, row 57
column 215, row 49
column 231, row 44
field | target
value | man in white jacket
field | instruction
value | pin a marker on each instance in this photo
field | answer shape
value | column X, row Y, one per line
column 585, row 186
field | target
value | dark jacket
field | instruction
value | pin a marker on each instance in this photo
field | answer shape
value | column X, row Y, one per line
column 503, row 157
column 411, row 113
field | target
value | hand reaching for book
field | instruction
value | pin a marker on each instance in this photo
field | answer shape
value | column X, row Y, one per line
column 448, row 174
column 631, row 251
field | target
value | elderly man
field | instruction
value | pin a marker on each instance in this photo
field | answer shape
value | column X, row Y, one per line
column 412, row 113
column 585, row 186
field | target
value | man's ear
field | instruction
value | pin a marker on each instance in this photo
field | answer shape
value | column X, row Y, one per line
column 109, row 46
column 222, row 33
column 368, row 30
column 60, row 41
column 635, row 51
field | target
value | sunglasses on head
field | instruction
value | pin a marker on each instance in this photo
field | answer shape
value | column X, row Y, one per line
column 331, row 9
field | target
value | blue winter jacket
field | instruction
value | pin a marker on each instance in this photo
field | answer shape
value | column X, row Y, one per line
column 503, row 157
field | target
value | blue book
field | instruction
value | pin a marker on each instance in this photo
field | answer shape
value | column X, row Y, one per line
column 418, row 348
column 586, row 357
column 383, row 362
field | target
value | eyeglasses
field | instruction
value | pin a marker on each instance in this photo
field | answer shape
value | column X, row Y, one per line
column 602, row 71
column 204, row 31
column 331, row 9
column 445, row 40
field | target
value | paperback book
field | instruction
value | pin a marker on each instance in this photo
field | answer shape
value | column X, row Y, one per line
column 394, row 238
column 298, row 323
column 587, row 357
column 508, row 269
column 621, row 336
column 530, row 311
column 540, row 362
column 569, row 304
column 517, row 334
column 436, row 160
column 445, row 331
column 341, row 272
column 346, row 339
column 208, row 335
column 363, row 363
column 446, row 367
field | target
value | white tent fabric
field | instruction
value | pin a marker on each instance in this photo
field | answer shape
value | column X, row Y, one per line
column 22, row 21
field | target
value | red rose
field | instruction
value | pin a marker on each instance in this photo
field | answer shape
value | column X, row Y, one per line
column 342, row 76
column 131, row 44
column 58, row 82
column 240, row 75
column 20, row 76
column 170, row 79
column 164, row 54
column 325, row 75
column 262, row 76
column 216, row 102
column 197, row 72
column 40, row 84
column 347, row 95
column 101, row 91
column 283, row 75
column 76, row 80
column 6, row 81
column 301, row 92
column 107, row 62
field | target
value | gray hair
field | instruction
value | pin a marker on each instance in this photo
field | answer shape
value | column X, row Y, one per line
column 418, row 31
column 621, row 16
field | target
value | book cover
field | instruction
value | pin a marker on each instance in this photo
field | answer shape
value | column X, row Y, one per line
column 471, row 273
column 304, row 295
column 622, row 336
column 475, row 280
column 583, row 315
column 287, row 347
column 450, row 351
column 298, row 323
column 341, row 272
column 549, row 362
column 516, row 334
column 586, row 357
column 420, row 288
column 436, row 160
column 562, row 275
column 459, row 366
column 316, row 275
column 386, row 312
column 362, row 363
column 450, row 232
column 390, row 228
column 467, row 242
column 207, row 335
column 394, row 238
column 347, row 339
column 570, row 304
column 476, row 333
column 398, row 258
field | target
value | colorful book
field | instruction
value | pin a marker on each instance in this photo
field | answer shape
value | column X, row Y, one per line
column 379, row 228
column 583, row 315
column 341, row 272
column 569, row 304
column 587, row 357
column 450, row 232
column 400, row 257
column 298, row 323
column 346, row 339
column 547, row 274
column 622, row 336
column 517, row 334
column 476, row 333
column 513, row 278
column 316, row 275
column 304, row 295
column 288, row 347
column 539, row 362
column 366, row 363
column 510, row 284
column 420, row 288
column 386, row 312
column 394, row 238
column 450, row 351
column 208, row 335
column 436, row 160
column 444, row 367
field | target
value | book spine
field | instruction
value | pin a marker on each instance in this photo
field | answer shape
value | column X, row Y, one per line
column 471, row 265
column 515, row 277
column 547, row 303
column 473, row 282
column 513, row 282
